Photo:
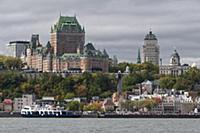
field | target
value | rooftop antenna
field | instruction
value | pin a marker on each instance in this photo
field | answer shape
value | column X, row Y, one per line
column 60, row 14
column 150, row 30
column 161, row 61
column 174, row 47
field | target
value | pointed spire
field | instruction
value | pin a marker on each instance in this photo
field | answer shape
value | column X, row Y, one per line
column 138, row 58
column 114, row 61
column 83, row 29
column 161, row 61
column 60, row 14
column 174, row 47
column 51, row 29
column 48, row 45
column 105, row 53
column 150, row 31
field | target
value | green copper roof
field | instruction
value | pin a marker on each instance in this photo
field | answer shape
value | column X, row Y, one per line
column 89, row 46
column 72, row 56
column 67, row 24
column 90, row 51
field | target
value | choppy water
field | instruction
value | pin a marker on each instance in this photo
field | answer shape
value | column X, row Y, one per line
column 37, row 125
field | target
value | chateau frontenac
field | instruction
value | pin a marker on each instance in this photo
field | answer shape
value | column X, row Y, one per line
column 66, row 50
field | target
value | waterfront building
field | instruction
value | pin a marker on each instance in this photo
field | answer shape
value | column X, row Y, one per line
column 178, row 104
column 108, row 105
column 66, row 52
column 46, row 101
column 25, row 100
column 18, row 48
column 151, row 49
column 174, row 68
column 7, row 105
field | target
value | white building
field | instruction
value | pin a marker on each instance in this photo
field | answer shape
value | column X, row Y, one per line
column 147, row 87
column 18, row 48
column 25, row 100
column 151, row 49
column 174, row 68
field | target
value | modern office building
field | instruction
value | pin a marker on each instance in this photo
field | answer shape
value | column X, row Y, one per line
column 18, row 48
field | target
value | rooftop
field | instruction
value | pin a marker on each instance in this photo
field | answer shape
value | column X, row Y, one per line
column 19, row 42
column 67, row 24
column 150, row 36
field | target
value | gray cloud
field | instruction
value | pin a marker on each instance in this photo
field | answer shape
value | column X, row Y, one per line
column 116, row 25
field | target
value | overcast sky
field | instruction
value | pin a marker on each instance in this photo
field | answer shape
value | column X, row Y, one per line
column 119, row 26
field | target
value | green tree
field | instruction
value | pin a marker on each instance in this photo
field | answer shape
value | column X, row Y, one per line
column 193, row 77
column 69, row 95
column 183, row 84
column 167, row 82
column 96, row 106
column 74, row 106
column 81, row 90
column 13, row 63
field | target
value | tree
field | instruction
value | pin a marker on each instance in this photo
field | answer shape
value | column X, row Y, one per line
column 69, row 95
column 81, row 90
column 193, row 77
column 26, row 88
column 167, row 82
column 129, row 81
column 12, row 63
column 106, row 94
column 96, row 106
column 74, row 106
column 182, row 84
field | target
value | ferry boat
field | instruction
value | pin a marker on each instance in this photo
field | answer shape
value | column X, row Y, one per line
column 48, row 111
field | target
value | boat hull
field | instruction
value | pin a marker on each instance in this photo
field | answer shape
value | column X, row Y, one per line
column 62, row 114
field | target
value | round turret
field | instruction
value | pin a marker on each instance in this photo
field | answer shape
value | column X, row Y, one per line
column 175, row 59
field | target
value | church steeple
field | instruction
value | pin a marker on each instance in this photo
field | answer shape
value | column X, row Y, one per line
column 138, row 58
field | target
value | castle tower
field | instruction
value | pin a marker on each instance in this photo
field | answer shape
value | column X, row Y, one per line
column 35, row 42
column 151, row 49
column 67, row 36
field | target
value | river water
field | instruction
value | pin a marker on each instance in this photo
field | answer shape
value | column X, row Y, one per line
column 93, row 125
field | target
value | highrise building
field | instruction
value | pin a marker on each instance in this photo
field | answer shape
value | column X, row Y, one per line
column 18, row 48
column 67, row 36
column 151, row 49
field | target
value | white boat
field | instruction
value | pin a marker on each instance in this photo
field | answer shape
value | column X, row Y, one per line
column 47, row 111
